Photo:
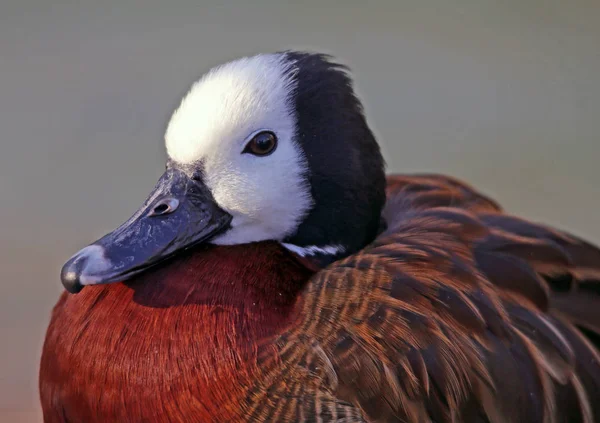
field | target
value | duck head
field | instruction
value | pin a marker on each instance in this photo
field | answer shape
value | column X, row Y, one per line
column 269, row 147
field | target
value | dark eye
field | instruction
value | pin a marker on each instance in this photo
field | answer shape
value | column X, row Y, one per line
column 262, row 144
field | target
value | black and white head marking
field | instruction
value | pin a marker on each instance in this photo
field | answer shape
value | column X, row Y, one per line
column 321, row 191
column 270, row 147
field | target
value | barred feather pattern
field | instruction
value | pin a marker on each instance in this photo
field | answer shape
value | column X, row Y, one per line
column 457, row 312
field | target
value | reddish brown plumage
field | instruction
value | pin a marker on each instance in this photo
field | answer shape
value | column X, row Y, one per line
column 176, row 344
column 457, row 312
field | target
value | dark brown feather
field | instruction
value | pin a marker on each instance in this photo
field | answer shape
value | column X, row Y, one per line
column 451, row 315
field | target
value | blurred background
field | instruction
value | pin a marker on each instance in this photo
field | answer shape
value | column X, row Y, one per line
column 503, row 94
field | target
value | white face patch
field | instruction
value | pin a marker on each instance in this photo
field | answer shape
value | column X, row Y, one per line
column 267, row 196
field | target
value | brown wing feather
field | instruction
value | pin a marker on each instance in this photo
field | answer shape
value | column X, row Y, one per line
column 454, row 313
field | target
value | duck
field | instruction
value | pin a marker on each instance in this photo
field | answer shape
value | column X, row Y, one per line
column 276, row 273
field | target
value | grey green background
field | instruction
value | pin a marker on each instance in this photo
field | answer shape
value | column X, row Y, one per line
column 505, row 94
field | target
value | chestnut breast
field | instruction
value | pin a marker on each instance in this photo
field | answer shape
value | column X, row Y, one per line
column 174, row 344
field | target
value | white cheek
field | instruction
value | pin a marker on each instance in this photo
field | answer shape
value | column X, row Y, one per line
column 267, row 196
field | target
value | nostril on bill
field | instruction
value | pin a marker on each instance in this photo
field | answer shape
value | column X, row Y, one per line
column 164, row 206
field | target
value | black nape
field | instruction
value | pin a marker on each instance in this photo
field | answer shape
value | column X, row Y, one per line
column 345, row 166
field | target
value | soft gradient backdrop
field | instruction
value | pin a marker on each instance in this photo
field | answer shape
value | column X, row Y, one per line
column 503, row 94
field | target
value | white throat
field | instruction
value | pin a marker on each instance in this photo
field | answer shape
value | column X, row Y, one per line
column 312, row 250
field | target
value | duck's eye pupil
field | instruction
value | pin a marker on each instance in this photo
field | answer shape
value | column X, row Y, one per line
column 262, row 144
